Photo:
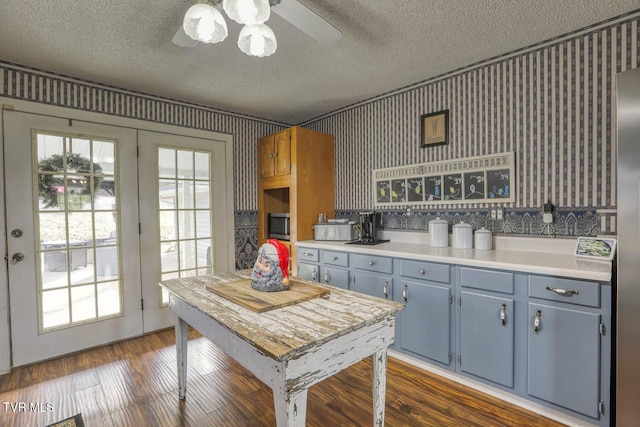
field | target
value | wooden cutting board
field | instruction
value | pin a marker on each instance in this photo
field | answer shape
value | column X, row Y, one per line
column 240, row 292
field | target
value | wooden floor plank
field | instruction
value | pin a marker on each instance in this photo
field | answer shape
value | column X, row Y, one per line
column 134, row 383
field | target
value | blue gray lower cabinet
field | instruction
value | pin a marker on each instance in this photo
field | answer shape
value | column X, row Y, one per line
column 543, row 338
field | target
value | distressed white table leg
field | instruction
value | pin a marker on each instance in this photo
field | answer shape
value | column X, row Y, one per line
column 291, row 410
column 182, row 339
column 379, row 362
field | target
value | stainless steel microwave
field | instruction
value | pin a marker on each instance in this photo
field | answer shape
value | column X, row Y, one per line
column 278, row 226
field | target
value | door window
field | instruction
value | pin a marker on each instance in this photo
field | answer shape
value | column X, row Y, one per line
column 77, row 229
column 184, row 214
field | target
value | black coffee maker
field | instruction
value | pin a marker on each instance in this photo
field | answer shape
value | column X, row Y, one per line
column 370, row 228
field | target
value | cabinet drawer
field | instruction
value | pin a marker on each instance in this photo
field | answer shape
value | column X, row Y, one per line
column 336, row 258
column 565, row 290
column 373, row 263
column 425, row 270
column 310, row 255
column 497, row 281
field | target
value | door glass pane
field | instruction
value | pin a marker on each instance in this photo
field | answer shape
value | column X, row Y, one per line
column 55, row 308
column 80, row 229
column 185, row 194
column 77, row 230
column 185, row 164
column 53, row 230
column 105, row 227
column 105, row 193
column 166, row 163
column 83, row 303
column 186, row 224
column 104, row 156
column 202, row 194
column 51, row 191
column 184, row 213
column 203, row 223
column 109, row 299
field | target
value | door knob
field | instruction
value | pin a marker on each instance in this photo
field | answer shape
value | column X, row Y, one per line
column 17, row 257
column 16, row 233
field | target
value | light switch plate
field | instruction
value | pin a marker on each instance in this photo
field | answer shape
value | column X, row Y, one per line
column 547, row 218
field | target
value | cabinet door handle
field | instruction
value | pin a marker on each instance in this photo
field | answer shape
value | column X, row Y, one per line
column 314, row 275
column 335, row 258
column 371, row 263
column 309, row 254
column 326, row 277
column 385, row 289
column 561, row 291
column 422, row 271
column 405, row 293
column 503, row 314
column 536, row 322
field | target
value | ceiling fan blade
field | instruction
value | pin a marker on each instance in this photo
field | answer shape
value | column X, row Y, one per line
column 308, row 21
column 182, row 39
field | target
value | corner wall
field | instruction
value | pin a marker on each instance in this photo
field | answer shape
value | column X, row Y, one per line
column 550, row 103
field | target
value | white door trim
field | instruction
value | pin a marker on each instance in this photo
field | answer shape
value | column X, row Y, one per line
column 87, row 116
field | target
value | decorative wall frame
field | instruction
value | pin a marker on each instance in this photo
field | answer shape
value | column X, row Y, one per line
column 434, row 129
column 482, row 179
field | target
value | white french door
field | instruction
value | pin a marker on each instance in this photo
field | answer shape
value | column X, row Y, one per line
column 97, row 215
column 72, row 216
column 182, row 212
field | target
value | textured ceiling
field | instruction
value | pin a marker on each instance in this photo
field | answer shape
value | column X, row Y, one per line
column 386, row 45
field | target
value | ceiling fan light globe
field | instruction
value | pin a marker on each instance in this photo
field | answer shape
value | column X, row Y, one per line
column 204, row 23
column 247, row 12
column 257, row 40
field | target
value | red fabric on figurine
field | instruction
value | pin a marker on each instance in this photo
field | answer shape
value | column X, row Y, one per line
column 271, row 269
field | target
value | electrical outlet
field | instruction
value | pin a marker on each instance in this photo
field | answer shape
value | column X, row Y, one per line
column 493, row 214
column 499, row 214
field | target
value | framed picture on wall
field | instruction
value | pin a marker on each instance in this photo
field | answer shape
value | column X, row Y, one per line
column 434, row 129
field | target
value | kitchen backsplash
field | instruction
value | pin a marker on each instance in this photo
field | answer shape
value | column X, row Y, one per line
column 551, row 104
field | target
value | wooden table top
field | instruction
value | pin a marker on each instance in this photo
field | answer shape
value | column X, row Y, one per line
column 285, row 332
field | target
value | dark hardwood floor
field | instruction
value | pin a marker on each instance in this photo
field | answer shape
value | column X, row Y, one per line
column 134, row 383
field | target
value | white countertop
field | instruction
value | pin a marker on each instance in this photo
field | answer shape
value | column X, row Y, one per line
column 549, row 257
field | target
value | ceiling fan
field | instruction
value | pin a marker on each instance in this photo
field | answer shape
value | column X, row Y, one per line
column 293, row 11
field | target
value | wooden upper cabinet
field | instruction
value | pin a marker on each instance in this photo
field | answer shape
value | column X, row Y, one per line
column 283, row 153
column 295, row 175
column 275, row 154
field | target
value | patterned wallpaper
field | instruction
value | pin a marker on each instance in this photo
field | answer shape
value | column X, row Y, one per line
column 550, row 103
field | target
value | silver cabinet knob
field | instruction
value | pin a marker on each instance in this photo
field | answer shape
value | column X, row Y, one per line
column 16, row 233
column 17, row 257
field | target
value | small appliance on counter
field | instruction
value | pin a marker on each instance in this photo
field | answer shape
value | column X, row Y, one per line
column 370, row 229
column 438, row 233
column 462, row 236
column 336, row 229
column 484, row 239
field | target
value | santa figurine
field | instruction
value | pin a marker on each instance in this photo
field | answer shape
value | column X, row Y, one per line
column 271, row 270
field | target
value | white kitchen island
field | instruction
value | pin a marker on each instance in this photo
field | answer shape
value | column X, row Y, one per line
column 290, row 348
